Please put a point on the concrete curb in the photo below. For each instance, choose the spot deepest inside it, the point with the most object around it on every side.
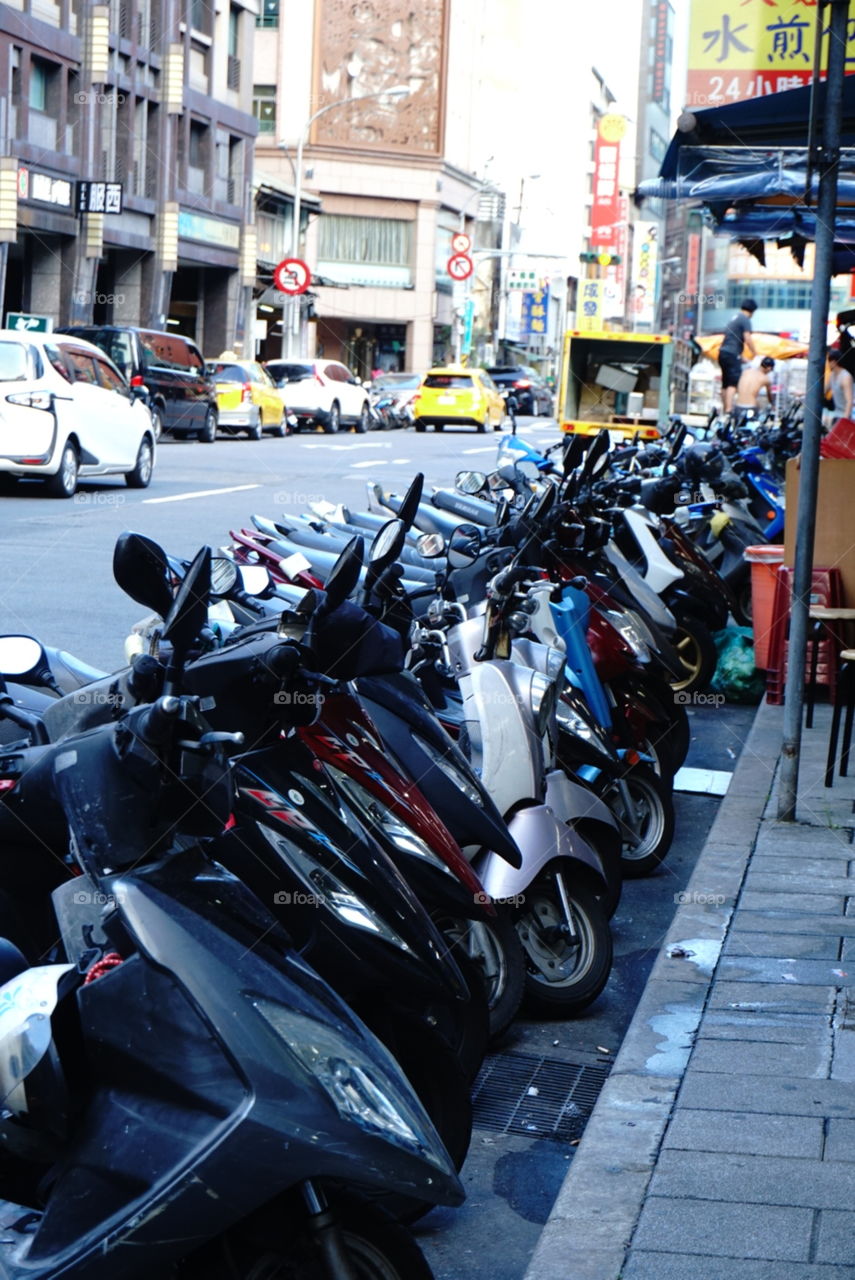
(596, 1210)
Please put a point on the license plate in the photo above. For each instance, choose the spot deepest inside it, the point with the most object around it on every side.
(446, 399)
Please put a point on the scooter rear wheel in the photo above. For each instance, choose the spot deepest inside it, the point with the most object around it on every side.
(493, 946)
(566, 971)
(651, 821)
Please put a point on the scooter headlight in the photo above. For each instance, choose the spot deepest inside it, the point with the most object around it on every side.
(326, 890)
(543, 698)
(451, 771)
(361, 1090)
(402, 836)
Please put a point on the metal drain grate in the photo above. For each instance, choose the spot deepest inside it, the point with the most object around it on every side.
(539, 1097)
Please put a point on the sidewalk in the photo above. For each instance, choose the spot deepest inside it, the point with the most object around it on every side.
(722, 1146)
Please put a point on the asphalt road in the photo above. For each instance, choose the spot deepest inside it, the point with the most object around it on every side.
(56, 583)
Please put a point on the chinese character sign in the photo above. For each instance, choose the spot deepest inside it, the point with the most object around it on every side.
(746, 48)
(606, 192)
(589, 305)
(535, 312)
(645, 261)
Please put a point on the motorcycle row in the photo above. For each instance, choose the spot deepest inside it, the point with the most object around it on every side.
(274, 886)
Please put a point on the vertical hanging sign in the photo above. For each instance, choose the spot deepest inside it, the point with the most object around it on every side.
(605, 205)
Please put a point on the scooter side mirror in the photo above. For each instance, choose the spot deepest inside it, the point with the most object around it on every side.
(464, 546)
(189, 611)
(224, 575)
(141, 569)
(22, 657)
(470, 482)
(384, 551)
(574, 452)
(409, 507)
(254, 578)
(430, 545)
(344, 575)
(598, 454)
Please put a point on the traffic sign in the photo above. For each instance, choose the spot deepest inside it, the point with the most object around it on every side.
(23, 322)
(292, 276)
(459, 266)
(461, 243)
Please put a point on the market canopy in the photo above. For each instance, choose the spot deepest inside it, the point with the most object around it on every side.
(748, 162)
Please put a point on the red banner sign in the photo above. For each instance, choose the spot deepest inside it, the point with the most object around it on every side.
(605, 207)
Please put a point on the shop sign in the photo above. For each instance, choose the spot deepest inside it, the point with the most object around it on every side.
(605, 207)
(33, 185)
(99, 197)
(195, 226)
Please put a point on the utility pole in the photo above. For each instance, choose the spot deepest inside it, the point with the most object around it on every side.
(827, 166)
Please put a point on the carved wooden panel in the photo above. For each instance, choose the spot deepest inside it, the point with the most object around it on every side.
(368, 45)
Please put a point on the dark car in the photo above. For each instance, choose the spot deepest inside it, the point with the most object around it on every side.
(529, 390)
(181, 395)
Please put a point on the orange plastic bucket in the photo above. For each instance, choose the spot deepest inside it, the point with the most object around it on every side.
(764, 561)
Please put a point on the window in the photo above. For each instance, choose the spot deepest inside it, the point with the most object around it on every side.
(13, 362)
(344, 238)
(227, 372)
(200, 16)
(197, 157)
(337, 373)
(54, 357)
(82, 365)
(233, 67)
(657, 145)
(268, 15)
(264, 107)
(109, 378)
(789, 295)
(449, 381)
(38, 85)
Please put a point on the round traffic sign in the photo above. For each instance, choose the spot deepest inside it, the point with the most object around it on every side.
(459, 266)
(292, 276)
(461, 243)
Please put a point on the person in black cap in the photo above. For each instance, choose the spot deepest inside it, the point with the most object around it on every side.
(737, 335)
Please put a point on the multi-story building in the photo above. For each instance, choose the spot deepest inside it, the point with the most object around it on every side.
(150, 100)
(395, 172)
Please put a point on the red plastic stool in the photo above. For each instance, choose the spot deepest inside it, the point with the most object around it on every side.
(826, 591)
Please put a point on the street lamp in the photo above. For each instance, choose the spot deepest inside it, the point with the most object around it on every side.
(396, 92)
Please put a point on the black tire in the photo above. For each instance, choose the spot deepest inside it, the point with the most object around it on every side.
(419, 426)
(64, 483)
(697, 652)
(465, 1029)
(140, 477)
(364, 419)
(208, 433)
(333, 421)
(482, 427)
(277, 1244)
(439, 426)
(493, 946)
(279, 429)
(564, 975)
(743, 611)
(156, 421)
(653, 819)
(443, 1090)
(256, 431)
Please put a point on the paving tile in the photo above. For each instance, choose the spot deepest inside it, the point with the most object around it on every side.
(648, 1265)
(805, 946)
(746, 1132)
(760, 881)
(771, 997)
(752, 1058)
(819, 867)
(780, 1095)
(843, 1060)
(782, 839)
(792, 922)
(732, 1230)
(840, 1143)
(836, 1240)
(760, 968)
(803, 903)
(783, 1028)
(766, 1180)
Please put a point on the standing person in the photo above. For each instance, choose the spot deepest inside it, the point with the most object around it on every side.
(842, 386)
(737, 334)
(752, 383)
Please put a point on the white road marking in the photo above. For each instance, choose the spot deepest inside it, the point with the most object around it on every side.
(399, 462)
(370, 462)
(203, 493)
(488, 449)
(353, 444)
(707, 782)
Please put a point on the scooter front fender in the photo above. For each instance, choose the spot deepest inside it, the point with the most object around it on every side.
(541, 837)
(573, 803)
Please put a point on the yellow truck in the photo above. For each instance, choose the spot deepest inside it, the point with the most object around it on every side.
(627, 382)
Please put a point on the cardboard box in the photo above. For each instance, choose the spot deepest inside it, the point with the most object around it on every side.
(834, 539)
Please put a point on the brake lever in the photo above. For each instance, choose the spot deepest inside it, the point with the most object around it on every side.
(200, 745)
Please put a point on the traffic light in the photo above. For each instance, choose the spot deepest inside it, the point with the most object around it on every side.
(601, 258)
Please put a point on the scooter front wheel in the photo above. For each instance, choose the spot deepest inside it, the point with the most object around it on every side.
(643, 807)
(375, 1248)
(567, 943)
(493, 945)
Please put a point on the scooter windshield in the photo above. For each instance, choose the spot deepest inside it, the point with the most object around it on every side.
(26, 1005)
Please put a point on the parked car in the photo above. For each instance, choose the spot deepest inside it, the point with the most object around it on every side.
(392, 395)
(458, 396)
(66, 413)
(527, 386)
(247, 399)
(169, 367)
(322, 393)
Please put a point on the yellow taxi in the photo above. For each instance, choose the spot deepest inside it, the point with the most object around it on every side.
(458, 396)
(247, 399)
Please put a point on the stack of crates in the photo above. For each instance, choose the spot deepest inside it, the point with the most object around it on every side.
(827, 590)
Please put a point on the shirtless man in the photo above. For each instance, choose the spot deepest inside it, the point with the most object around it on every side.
(751, 382)
(841, 386)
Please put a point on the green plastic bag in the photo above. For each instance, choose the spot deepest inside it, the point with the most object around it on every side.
(736, 676)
